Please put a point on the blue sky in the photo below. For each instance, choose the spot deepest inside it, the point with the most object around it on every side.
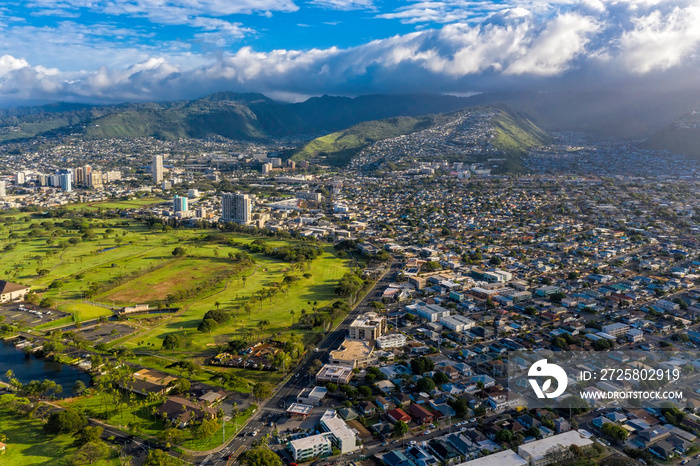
(128, 50)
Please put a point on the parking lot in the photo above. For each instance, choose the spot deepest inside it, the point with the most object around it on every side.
(106, 332)
(27, 315)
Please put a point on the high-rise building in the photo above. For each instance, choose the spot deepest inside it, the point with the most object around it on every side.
(66, 180)
(266, 168)
(95, 180)
(179, 204)
(157, 169)
(82, 175)
(3, 189)
(20, 178)
(236, 208)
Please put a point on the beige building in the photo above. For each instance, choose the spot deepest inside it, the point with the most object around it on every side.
(368, 326)
(12, 291)
(354, 353)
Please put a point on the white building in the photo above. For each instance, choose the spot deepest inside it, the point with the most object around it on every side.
(430, 312)
(312, 396)
(311, 447)
(157, 169)
(456, 323)
(236, 208)
(552, 449)
(20, 178)
(3, 189)
(342, 436)
(615, 329)
(507, 457)
(395, 340)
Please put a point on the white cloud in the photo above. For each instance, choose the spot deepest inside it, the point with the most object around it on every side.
(344, 4)
(531, 41)
(660, 41)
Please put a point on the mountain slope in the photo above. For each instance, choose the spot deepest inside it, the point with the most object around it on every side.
(681, 137)
(509, 133)
(237, 116)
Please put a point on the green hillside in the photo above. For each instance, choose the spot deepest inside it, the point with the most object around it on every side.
(514, 135)
(237, 116)
(338, 148)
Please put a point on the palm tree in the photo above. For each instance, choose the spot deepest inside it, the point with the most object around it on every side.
(218, 305)
(292, 312)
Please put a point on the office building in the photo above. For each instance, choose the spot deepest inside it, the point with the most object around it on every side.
(368, 326)
(3, 189)
(236, 208)
(157, 169)
(20, 178)
(179, 204)
(266, 168)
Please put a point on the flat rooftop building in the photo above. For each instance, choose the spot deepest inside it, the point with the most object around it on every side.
(353, 353)
(334, 373)
(536, 452)
(505, 457)
(368, 326)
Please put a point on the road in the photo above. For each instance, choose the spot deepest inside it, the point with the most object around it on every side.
(299, 380)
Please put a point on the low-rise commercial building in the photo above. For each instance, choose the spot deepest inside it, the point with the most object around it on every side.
(353, 353)
(339, 375)
(395, 340)
(311, 447)
(541, 452)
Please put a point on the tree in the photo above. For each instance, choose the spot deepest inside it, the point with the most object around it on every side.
(504, 435)
(425, 384)
(421, 365)
(65, 422)
(207, 325)
(88, 434)
(160, 458)
(179, 251)
(91, 452)
(205, 429)
(173, 341)
(365, 391)
(260, 456)
(79, 387)
(180, 386)
(400, 429)
(615, 431)
(262, 390)
(440, 378)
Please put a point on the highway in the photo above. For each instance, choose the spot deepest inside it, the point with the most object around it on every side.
(297, 381)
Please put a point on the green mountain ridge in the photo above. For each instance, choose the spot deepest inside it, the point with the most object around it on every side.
(248, 116)
(514, 134)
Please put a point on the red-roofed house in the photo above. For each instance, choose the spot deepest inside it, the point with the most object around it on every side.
(398, 414)
(420, 414)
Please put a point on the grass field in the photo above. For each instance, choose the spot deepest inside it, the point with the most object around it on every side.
(142, 420)
(27, 443)
(121, 262)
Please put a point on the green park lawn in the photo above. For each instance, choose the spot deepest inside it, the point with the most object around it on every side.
(129, 264)
(27, 443)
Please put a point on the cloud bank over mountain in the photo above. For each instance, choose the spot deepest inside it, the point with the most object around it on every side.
(453, 46)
